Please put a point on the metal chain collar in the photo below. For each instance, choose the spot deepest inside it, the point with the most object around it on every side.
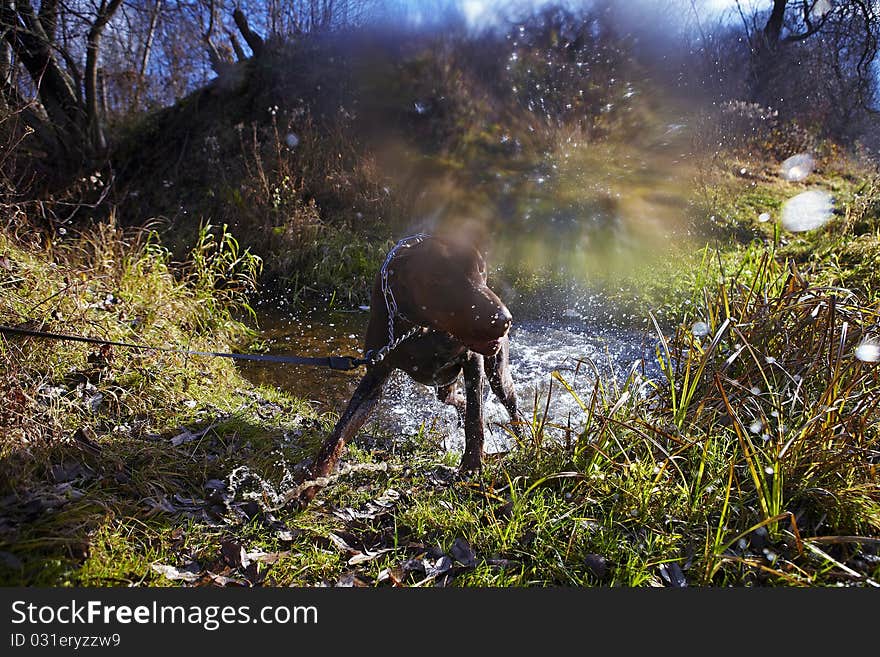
(391, 302)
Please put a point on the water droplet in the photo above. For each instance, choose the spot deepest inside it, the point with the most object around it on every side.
(291, 140)
(700, 329)
(769, 469)
(797, 167)
(756, 426)
(755, 390)
(807, 211)
(868, 351)
(764, 217)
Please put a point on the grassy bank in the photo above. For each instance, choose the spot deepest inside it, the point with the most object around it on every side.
(752, 460)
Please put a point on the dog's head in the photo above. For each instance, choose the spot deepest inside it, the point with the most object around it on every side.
(441, 283)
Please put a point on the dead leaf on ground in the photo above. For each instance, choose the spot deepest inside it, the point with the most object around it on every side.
(223, 580)
(234, 554)
(673, 575)
(413, 565)
(258, 556)
(160, 504)
(597, 565)
(395, 575)
(173, 573)
(348, 580)
(341, 541)
(463, 554)
(368, 555)
(435, 569)
(187, 436)
(442, 565)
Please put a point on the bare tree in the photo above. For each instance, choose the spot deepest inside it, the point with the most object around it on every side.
(846, 31)
(65, 110)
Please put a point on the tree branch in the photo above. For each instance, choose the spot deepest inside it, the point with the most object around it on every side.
(49, 17)
(254, 40)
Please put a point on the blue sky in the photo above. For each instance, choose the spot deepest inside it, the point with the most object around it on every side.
(481, 11)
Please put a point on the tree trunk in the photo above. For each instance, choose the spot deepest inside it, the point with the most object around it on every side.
(94, 118)
(145, 59)
(254, 40)
(764, 57)
(32, 46)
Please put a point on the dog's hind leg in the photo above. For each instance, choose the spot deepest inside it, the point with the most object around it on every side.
(473, 421)
(501, 382)
(363, 401)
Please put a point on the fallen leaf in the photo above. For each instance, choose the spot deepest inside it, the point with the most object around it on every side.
(367, 555)
(223, 580)
(413, 565)
(172, 573)
(162, 504)
(672, 575)
(341, 543)
(388, 498)
(189, 502)
(258, 556)
(597, 565)
(181, 438)
(396, 576)
(442, 565)
(463, 554)
(215, 485)
(187, 436)
(348, 580)
(234, 554)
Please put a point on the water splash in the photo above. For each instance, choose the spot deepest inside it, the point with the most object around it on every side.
(536, 351)
(807, 211)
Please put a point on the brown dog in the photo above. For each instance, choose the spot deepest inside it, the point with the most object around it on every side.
(432, 316)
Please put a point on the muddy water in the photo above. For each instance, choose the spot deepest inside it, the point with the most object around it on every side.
(576, 347)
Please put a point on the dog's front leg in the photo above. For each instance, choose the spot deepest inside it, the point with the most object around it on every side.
(501, 382)
(473, 422)
(362, 402)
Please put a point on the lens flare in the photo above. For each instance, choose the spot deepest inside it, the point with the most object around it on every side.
(797, 167)
(807, 211)
(700, 329)
(868, 351)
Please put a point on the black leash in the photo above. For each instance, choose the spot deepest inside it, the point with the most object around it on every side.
(342, 363)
